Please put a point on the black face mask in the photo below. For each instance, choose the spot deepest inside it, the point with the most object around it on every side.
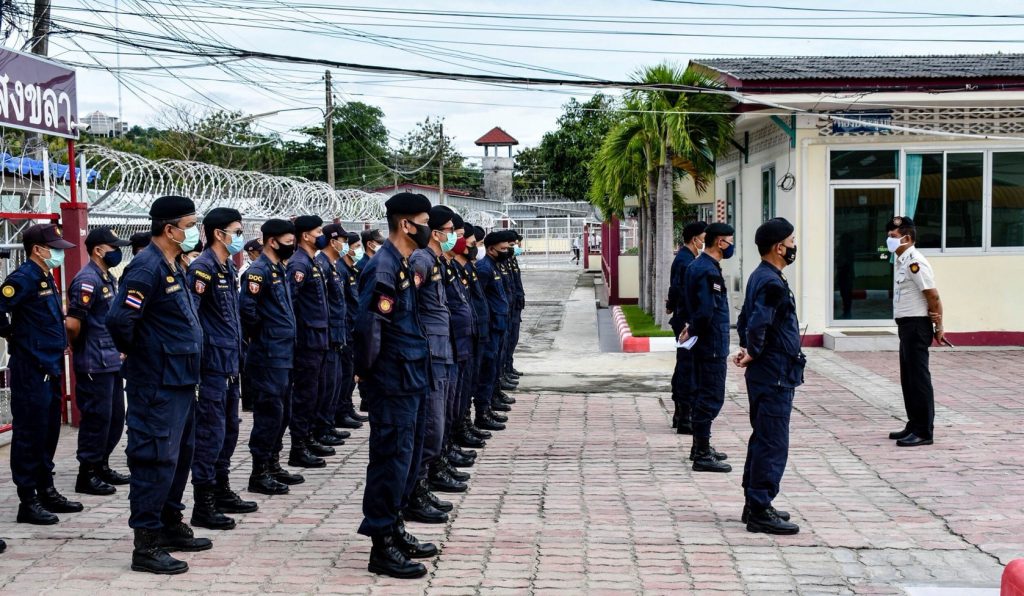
(790, 256)
(422, 235)
(472, 252)
(504, 255)
(284, 251)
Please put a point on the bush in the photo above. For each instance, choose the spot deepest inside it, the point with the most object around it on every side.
(642, 324)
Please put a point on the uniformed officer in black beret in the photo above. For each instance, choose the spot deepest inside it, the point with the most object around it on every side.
(213, 282)
(675, 304)
(511, 375)
(99, 386)
(268, 324)
(153, 320)
(495, 289)
(307, 283)
(345, 415)
(770, 352)
(336, 366)
(32, 322)
(393, 360)
(372, 240)
(707, 306)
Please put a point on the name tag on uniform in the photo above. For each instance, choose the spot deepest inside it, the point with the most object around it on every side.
(172, 288)
(404, 284)
(46, 292)
(716, 287)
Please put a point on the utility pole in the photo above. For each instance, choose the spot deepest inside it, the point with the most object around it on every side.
(41, 28)
(329, 130)
(440, 170)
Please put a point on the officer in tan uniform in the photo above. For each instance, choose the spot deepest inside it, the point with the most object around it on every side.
(918, 313)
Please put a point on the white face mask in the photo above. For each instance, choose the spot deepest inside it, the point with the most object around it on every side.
(893, 243)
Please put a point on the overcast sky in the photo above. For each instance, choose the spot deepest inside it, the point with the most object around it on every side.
(660, 29)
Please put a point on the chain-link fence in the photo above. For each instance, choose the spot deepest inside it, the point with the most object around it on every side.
(548, 242)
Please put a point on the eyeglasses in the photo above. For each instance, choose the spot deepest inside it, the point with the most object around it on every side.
(236, 233)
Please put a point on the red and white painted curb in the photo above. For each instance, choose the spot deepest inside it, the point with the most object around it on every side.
(628, 343)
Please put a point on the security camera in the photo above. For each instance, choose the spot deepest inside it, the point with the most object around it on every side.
(81, 126)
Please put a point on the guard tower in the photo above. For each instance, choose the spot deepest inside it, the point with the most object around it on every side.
(497, 170)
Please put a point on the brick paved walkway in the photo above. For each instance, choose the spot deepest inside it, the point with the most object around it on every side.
(589, 491)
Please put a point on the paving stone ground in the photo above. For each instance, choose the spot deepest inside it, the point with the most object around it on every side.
(589, 492)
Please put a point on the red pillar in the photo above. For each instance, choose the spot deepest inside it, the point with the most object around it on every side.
(74, 217)
(610, 258)
(585, 242)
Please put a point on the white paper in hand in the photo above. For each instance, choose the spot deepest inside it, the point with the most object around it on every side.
(686, 345)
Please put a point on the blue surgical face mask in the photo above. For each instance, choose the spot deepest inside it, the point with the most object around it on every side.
(191, 238)
(321, 242)
(517, 251)
(450, 242)
(113, 258)
(358, 254)
(728, 252)
(344, 249)
(237, 244)
(56, 258)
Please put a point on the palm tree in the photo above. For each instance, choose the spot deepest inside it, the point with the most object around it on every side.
(671, 128)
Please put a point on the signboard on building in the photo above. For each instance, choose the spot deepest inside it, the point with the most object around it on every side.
(37, 95)
(865, 121)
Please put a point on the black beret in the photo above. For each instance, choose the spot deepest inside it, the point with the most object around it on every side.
(140, 239)
(693, 229)
(353, 238)
(772, 232)
(220, 217)
(470, 232)
(495, 238)
(458, 222)
(272, 228)
(368, 236)
(104, 235)
(480, 233)
(439, 216)
(407, 203)
(718, 230)
(305, 223)
(334, 230)
(253, 244)
(900, 221)
(171, 207)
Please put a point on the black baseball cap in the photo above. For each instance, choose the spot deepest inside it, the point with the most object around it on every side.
(47, 235)
(104, 235)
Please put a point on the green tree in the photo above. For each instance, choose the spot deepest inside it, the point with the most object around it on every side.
(422, 144)
(360, 149)
(568, 152)
(529, 170)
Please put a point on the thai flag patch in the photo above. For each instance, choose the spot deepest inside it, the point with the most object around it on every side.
(87, 288)
(133, 302)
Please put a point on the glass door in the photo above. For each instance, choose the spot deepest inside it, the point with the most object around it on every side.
(861, 269)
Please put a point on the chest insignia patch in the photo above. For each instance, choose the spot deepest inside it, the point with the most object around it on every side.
(8, 291)
(200, 286)
(914, 267)
(299, 276)
(254, 287)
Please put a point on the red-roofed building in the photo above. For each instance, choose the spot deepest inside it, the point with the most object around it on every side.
(496, 137)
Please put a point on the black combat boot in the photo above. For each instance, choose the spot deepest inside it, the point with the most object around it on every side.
(498, 406)
(479, 432)
(714, 453)
(444, 464)
(228, 500)
(436, 501)
(460, 460)
(56, 502)
(177, 536)
(341, 434)
(280, 474)
(507, 384)
(204, 510)
(704, 459)
(783, 515)
(31, 510)
(3, 545)
(508, 400)
(465, 438)
(516, 372)
(387, 559)
(410, 546)
(261, 482)
(485, 422)
(497, 417)
(90, 483)
(421, 510)
(112, 477)
(768, 521)
(329, 439)
(348, 421)
(442, 482)
(300, 457)
(150, 557)
(318, 449)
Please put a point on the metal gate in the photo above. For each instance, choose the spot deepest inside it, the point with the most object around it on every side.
(548, 242)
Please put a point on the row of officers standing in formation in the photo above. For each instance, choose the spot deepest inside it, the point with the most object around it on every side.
(770, 351)
(424, 324)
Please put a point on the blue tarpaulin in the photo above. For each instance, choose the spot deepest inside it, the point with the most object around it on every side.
(34, 167)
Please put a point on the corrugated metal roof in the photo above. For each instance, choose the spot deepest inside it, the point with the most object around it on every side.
(960, 66)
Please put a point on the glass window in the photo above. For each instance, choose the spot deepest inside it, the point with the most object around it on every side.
(964, 179)
(924, 197)
(730, 202)
(767, 194)
(864, 165)
(1008, 199)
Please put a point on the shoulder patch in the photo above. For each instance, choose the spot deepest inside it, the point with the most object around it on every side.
(256, 278)
(200, 286)
(8, 291)
(384, 299)
(299, 276)
(914, 267)
(203, 274)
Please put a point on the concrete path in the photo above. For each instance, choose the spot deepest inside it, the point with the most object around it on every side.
(589, 491)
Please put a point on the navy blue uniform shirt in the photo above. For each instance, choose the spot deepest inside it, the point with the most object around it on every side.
(677, 289)
(391, 351)
(463, 324)
(214, 287)
(89, 298)
(769, 330)
(707, 302)
(337, 307)
(350, 279)
(309, 299)
(493, 285)
(428, 277)
(481, 311)
(268, 320)
(154, 322)
(35, 330)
